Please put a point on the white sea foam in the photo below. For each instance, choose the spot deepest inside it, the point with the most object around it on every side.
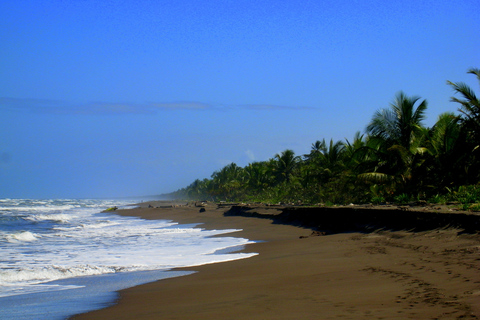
(60, 217)
(28, 276)
(20, 236)
(72, 238)
(37, 209)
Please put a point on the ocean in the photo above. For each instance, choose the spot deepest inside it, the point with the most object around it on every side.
(64, 257)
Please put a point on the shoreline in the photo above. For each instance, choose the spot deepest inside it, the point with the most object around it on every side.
(302, 275)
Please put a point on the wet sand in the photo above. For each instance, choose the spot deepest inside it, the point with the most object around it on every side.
(433, 274)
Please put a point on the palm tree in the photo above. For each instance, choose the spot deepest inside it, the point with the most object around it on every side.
(396, 138)
(326, 158)
(286, 164)
(318, 148)
(226, 183)
(332, 158)
(258, 176)
(351, 148)
(470, 109)
(446, 147)
(400, 124)
(470, 106)
(357, 157)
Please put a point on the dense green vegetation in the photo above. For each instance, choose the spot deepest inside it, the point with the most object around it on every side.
(397, 159)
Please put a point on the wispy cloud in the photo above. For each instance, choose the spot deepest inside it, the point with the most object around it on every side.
(272, 107)
(181, 106)
(113, 108)
(47, 106)
(107, 108)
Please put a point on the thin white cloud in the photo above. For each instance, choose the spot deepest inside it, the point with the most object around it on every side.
(181, 106)
(62, 107)
(108, 108)
(113, 108)
(273, 107)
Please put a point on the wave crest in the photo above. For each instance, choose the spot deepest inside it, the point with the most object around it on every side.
(21, 236)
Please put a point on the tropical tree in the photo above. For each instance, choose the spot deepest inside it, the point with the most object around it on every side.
(258, 176)
(226, 183)
(356, 157)
(194, 189)
(396, 138)
(402, 123)
(319, 147)
(321, 170)
(470, 120)
(447, 156)
(469, 105)
(332, 158)
(396, 155)
(286, 164)
(352, 149)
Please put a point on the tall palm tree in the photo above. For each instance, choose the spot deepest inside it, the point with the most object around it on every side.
(469, 105)
(470, 120)
(396, 138)
(400, 124)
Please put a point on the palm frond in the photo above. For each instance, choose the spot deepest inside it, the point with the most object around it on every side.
(462, 88)
(475, 71)
(375, 177)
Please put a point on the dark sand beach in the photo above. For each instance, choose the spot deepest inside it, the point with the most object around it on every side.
(362, 271)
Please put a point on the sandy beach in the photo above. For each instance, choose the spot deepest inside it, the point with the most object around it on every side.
(297, 274)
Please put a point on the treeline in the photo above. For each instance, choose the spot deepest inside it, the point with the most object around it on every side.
(396, 159)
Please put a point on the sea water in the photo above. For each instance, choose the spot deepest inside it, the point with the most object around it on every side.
(64, 257)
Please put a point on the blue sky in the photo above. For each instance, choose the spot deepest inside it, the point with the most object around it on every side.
(130, 98)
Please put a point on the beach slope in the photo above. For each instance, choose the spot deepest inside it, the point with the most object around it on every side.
(300, 274)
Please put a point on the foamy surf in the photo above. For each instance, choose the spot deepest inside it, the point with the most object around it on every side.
(20, 236)
(59, 245)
